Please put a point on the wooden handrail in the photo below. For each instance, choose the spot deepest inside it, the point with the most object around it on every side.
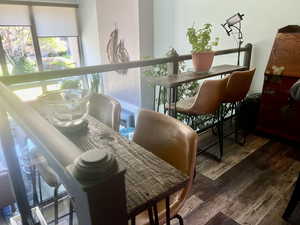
(41, 76)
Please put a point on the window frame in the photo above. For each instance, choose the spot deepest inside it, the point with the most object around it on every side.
(35, 38)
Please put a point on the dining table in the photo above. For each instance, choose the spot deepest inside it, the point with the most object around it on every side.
(148, 178)
(173, 81)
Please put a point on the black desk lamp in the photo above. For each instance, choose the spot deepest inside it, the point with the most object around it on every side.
(234, 22)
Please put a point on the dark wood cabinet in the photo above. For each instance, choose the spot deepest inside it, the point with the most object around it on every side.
(279, 114)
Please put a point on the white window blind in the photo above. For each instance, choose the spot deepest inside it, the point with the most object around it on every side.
(55, 21)
(14, 15)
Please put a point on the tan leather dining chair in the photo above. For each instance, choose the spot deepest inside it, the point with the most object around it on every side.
(238, 85)
(175, 143)
(237, 88)
(105, 109)
(206, 102)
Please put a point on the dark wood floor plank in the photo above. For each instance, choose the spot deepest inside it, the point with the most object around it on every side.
(274, 215)
(264, 192)
(250, 191)
(221, 219)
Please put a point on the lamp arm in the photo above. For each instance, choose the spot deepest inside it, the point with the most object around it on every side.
(241, 36)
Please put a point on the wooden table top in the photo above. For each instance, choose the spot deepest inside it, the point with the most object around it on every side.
(176, 80)
(148, 178)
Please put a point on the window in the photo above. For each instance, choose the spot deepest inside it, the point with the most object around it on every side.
(19, 51)
(59, 52)
(39, 38)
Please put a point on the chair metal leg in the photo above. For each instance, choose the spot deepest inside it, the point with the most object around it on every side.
(56, 205)
(220, 133)
(215, 119)
(168, 216)
(180, 220)
(236, 133)
(150, 214)
(156, 219)
(132, 219)
(293, 201)
(195, 173)
(233, 107)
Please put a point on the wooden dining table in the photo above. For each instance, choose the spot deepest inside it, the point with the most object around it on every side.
(148, 179)
(173, 81)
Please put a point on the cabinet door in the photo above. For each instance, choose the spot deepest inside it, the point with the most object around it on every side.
(278, 113)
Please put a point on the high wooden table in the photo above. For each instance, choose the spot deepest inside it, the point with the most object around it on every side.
(172, 82)
(148, 179)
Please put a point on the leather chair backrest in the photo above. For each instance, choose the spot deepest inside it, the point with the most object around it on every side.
(6, 197)
(238, 85)
(209, 96)
(105, 109)
(170, 140)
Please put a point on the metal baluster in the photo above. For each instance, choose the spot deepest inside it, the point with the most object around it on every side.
(168, 217)
(150, 214)
(164, 90)
(40, 187)
(133, 222)
(156, 214)
(56, 205)
(71, 212)
(154, 97)
(170, 102)
(158, 100)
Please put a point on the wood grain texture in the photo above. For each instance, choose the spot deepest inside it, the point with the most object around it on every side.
(178, 79)
(255, 191)
(221, 219)
(233, 155)
(148, 178)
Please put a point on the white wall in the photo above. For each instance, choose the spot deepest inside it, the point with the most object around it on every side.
(146, 48)
(262, 20)
(125, 15)
(89, 32)
(134, 19)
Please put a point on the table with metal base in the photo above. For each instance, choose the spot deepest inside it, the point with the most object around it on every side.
(171, 83)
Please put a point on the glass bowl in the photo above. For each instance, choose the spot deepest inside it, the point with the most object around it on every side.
(67, 107)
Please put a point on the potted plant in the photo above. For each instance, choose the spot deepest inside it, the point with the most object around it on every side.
(202, 54)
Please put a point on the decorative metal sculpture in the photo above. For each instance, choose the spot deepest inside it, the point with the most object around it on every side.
(116, 51)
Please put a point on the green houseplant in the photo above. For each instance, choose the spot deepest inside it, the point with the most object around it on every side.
(202, 54)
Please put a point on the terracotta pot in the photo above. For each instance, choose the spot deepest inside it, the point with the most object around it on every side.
(202, 61)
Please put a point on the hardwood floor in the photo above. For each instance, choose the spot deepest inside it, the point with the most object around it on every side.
(250, 187)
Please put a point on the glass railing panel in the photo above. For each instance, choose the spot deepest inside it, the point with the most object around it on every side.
(46, 195)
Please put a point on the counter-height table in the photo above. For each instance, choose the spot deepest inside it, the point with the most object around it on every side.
(172, 82)
(148, 178)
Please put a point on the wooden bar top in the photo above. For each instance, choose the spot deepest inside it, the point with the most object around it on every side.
(148, 178)
(176, 80)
